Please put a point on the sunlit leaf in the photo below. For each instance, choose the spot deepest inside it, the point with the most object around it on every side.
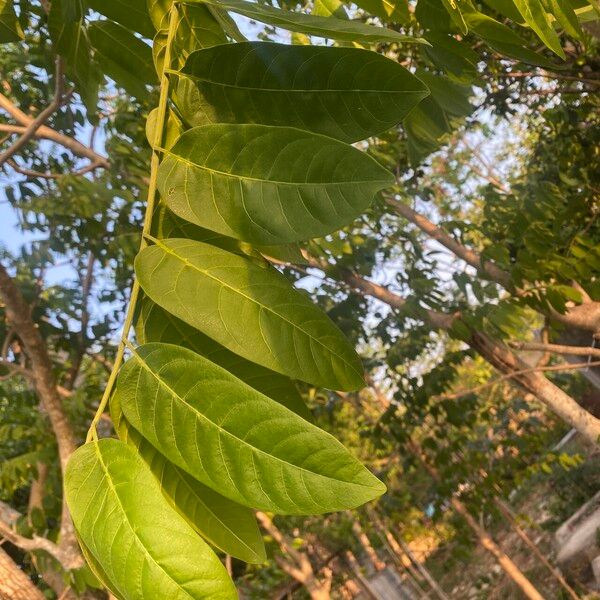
(144, 547)
(157, 325)
(251, 310)
(225, 524)
(236, 440)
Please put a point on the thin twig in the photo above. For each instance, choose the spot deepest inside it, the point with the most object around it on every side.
(571, 367)
(32, 173)
(556, 348)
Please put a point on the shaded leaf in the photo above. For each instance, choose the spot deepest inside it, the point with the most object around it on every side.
(452, 6)
(250, 310)
(273, 184)
(236, 440)
(70, 41)
(455, 57)
(123, 57)
(10, 28)
(346, 93)
(144, 547)
(132, 14)
(326, 27)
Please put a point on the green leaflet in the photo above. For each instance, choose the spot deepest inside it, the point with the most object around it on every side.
(196, 28)
(454, 57)
(132, 14)
(535, 16)
(329, 8)
(426, 125)
(326, 27)
(452, 6)
(388, 10)
(70, 40)
(228, 526)
(157, 325)
(236, 440)
(503, 39)
(123, 57)
(145, 548)
(268, 185)
(165, 224)
(159, 13)
(10, 28)
(346, 93)
(566, 17)
(251, 310)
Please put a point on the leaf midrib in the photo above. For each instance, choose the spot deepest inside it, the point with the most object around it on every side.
(190, 163)
(164, 384)
(215, 516)
(133, 531)
(265, 307)
(302, 91)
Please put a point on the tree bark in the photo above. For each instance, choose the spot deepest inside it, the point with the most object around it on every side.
(14, 584)
(18, 314)
(537, 384)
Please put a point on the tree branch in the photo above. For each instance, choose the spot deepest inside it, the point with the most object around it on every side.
(36, 123)
(507, 376)
(496, 353)
(583, 316)
(37, 543)
(472, 258)
(557, 349)
(32, 173)
(48, 133)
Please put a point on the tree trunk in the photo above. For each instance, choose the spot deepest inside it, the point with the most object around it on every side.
(18, 313)
(14, 584)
